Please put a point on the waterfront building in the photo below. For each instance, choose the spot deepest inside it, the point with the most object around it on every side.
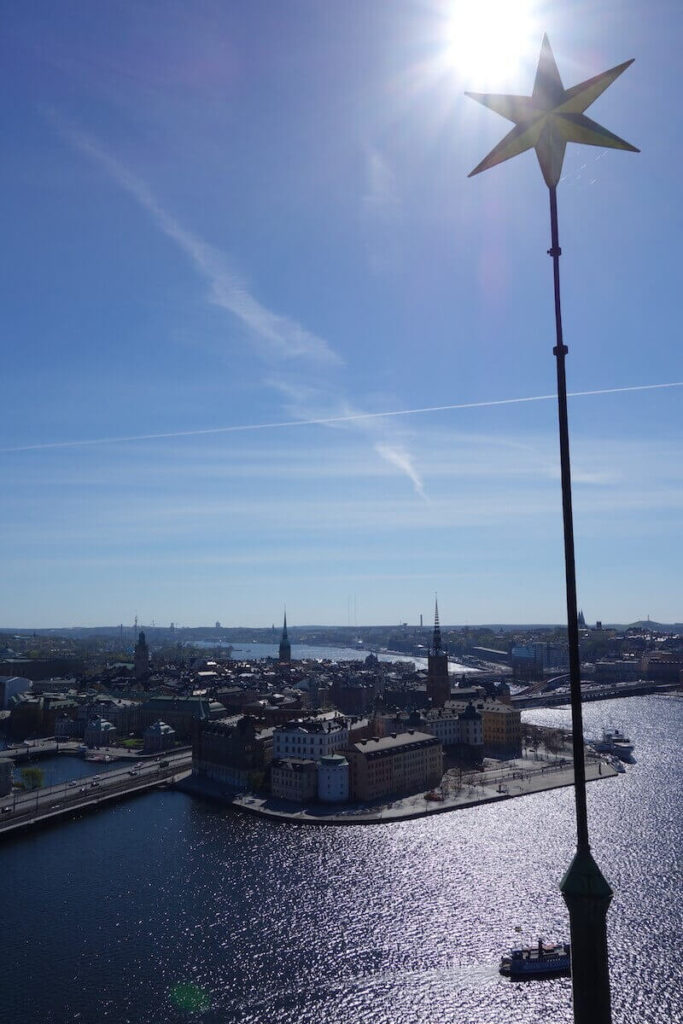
(294, 779)
(99, 733)
(501, 728)
(333, 779)
(395, 765)
(232, 752)
(37, 715)
(285, 652)
(124, 713)
(620, 670)
(55, 706)
(310, 738)
(438, 682)
(663, 666)
(157, 737)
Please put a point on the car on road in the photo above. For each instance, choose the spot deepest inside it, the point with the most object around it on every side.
(6, 810)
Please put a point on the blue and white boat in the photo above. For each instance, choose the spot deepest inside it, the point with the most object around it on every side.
(541, 961)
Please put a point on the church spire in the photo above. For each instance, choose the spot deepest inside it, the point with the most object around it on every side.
(285, 646)
(436, 643)
(438, 682)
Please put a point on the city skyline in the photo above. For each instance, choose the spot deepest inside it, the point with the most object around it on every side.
(266, 344)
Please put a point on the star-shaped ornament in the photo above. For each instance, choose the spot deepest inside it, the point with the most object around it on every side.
(550, 118)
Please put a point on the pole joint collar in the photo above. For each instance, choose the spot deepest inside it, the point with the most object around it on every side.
(560, 350)
(555, 251)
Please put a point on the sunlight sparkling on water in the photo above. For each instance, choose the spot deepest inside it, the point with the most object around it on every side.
(121, 914)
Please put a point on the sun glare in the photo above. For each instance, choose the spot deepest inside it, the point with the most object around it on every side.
(487, 41)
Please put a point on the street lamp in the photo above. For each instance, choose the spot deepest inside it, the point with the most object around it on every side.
(546, 121)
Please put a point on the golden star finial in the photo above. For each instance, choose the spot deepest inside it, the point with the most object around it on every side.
(550, 118)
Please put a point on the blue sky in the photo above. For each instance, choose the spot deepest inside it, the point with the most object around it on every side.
(225, 220)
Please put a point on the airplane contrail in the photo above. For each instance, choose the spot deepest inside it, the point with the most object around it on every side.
(325, 420)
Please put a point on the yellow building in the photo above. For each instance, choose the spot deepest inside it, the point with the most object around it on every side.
(501, 728)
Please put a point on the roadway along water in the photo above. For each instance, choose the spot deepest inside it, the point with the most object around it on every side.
(166, 909)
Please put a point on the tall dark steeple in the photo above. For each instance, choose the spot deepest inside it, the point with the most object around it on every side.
(438, 682)
(141, 658)
(436, 642)
(285, 646)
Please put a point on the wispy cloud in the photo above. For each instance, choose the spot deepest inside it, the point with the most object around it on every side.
(401, 459)
(279, 336)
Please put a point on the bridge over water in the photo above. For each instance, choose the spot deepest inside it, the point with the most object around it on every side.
(33, 749)
(590, 692)
(20, 811)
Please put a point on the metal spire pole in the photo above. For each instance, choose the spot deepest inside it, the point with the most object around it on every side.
(546, 121)
(584, 888)
(560, 351)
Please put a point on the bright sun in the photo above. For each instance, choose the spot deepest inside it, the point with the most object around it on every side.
(488, 40)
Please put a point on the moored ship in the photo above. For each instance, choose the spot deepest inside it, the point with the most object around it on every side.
(615, 742)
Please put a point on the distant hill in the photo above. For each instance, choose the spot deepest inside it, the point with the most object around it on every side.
(663, 627)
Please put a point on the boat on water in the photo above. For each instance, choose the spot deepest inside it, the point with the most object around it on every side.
(615, 742)
(544, 960)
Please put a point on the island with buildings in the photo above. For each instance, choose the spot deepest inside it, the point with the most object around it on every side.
(327, 741)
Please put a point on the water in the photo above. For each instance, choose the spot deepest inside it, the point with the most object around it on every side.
(63, 768)
(249, 652)
(167, 909)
